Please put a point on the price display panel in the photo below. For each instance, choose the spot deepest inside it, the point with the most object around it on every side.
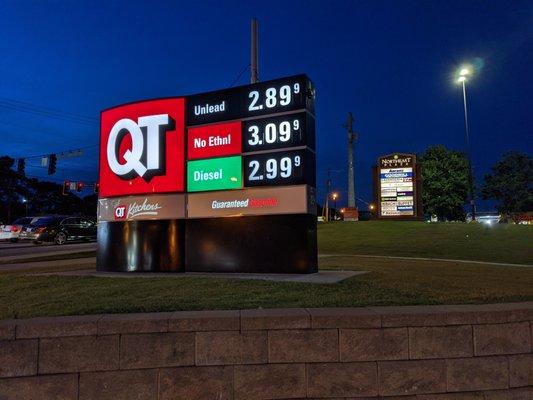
(292, 167)
(289, 130)
(265, 98)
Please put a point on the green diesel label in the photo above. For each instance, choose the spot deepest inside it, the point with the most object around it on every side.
(214, 174)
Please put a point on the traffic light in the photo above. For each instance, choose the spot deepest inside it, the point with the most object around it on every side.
(52, 160)
(66, 187)
(79, 186)
(21, 165)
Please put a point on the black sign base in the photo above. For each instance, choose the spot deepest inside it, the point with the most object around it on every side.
(141, 246)
(260, 244)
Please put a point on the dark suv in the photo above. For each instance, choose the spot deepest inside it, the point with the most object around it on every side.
(59, 229)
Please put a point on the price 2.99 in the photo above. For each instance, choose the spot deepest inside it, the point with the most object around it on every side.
(283, 168)
(273, 169)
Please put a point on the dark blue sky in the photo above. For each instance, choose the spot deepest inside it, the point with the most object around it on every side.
(391, 63)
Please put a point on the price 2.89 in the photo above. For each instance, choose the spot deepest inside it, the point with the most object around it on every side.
(273, 97)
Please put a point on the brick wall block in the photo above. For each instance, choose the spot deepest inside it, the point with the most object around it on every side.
(191, 321)
(115, 385)
(226, 348)
(452, 396)
(316, 345)
(270, 381)
(18, 358)
(344, 318)
(510, 338)
(196, 383)
(521, 370)
(342, 379)
(479, 373)
(288, 318)
(411, 377)
(411, 316)
(53, 387)
(150, 350)
(373, 344)
(75, 354)
(525, 393)
(440, 342)
(133, 323)
(81, 325)
(7, 329)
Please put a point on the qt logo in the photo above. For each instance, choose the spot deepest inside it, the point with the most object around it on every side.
(120, 212)
(146, 158)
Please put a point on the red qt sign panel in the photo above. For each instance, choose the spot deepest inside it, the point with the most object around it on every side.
(142, 148)
(214, 140)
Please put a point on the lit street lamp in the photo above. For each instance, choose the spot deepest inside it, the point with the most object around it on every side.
(334, 197)
(464, 73)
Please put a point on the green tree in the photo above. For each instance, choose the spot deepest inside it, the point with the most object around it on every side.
(511, 184)
(444, 182)
(13, 188)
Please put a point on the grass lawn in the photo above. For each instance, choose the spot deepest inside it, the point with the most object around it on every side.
(389, 281)
(497, 243)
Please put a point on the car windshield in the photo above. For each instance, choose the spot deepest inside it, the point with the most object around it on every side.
(43, 221)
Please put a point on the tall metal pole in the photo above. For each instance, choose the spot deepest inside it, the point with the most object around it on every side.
(469, 156)
(352, 137)
(254, 52)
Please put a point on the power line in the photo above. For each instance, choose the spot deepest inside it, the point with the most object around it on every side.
(59, 152)
(239, 76)
(20, 106)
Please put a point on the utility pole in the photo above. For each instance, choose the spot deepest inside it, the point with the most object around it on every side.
(325, 210)
(253, 53)
(352, 138)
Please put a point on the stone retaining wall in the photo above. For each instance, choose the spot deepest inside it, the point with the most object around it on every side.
(433, 352)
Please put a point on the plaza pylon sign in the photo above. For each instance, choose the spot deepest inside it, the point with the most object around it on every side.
(241, 160)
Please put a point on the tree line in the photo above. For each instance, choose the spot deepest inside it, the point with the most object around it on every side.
(21, 196)
(445, 182)
(444, 188)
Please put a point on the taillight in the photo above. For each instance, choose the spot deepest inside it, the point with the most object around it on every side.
(14, 228)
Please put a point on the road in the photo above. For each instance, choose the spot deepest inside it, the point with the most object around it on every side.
(22, 249)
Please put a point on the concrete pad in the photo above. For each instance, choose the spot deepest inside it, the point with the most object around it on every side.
(321, 277)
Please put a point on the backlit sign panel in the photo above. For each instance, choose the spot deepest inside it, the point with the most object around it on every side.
(396, 185)
(214, 140)
(265, 98)
(288, 130)
(282, 168)
(255, 201)
(135, 208)
(214, 174)
(141, 148)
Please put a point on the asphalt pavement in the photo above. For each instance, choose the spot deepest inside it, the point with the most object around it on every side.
(17, 250)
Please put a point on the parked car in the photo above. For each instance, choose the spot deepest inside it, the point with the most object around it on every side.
(12, 231)
(59, 229)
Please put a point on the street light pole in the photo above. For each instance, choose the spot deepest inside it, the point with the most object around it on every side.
(462, 78)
